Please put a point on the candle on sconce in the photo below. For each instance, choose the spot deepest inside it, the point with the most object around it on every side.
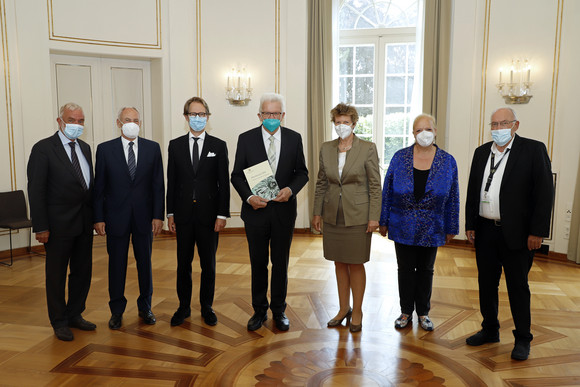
(529, 73)
(228, 81)
(512, 75)
(249, 81)
(238, 81)
(500, 70)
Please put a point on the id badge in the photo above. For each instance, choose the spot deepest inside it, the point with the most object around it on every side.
(485, 205)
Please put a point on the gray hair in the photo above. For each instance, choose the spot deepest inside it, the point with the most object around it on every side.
(68, 106)
(128, 107)
(506, 108)
(427, 116)
(272, 97)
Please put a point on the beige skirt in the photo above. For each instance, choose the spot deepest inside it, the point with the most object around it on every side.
(346, 244)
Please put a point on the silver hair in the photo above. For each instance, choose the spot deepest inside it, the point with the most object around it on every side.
(427, 116)
(506, 108)
(128, 107)
(68, 106)
(272, 97)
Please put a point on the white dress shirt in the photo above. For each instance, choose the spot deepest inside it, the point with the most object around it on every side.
(277, 141)
(85, 168)
(199, 144)
(341, 162)
(126, 148)
(489, 201)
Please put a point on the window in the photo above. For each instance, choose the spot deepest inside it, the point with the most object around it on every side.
(377, 69)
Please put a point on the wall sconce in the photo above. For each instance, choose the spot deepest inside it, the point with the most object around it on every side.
(239, 86)
(517, 90)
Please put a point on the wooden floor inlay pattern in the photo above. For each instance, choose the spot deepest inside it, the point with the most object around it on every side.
(309, 354)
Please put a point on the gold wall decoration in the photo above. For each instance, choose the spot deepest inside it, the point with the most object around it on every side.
(8, 97)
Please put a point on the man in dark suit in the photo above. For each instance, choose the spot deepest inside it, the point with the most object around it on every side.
(269, 224)
(129, 205)
(60, 185)
(509, 202)
(198, 203)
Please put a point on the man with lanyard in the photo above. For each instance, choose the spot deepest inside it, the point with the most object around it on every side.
(508, 209)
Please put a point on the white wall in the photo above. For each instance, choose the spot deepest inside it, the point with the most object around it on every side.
(166, 33)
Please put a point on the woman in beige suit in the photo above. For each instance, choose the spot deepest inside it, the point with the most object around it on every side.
(348, 201)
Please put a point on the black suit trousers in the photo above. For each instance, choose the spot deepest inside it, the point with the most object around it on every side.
(270, 240)
(492, 254)
(118, 249)
(62, 251)
(190, 234)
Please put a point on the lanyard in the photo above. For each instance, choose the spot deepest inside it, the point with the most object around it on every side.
(493, 168)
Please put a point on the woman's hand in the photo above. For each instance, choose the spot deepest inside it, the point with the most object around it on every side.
(372, 225)
(448, 238)
(383, 230)
(316, 222)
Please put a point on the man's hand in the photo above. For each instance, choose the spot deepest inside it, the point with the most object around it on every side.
(220, 224)
(316, 222)
(383, 230)
(42, 237)
(157, 226)
(171, 224)
(100, 228)
(534, 242)
(283, 195)
(448, 238)
(470, 234)
(372, 226)
(257, 202)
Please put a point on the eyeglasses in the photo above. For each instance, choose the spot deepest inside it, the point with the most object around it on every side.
(503, 124)
(202, 115)
(127, 120)
(271, 115)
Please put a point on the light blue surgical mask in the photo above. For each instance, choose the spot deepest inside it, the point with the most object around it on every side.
(501, 136)
(271, 124)
(73, 131)
(197, 124)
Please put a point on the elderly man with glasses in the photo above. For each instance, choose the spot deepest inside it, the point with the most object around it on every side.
(269, 224)
(508, 208)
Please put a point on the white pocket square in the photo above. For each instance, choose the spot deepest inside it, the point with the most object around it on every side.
(210, 154)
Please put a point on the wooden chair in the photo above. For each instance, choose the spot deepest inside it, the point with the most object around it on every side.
(14, 216)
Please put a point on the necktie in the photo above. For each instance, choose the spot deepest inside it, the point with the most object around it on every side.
(195, 156)
(272, 154)
(131, 160)
(76, 165)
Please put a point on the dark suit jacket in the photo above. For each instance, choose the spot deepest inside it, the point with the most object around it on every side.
(211, 183)
(58, 202)
(291, 172)
(526, 192)
(120, 200)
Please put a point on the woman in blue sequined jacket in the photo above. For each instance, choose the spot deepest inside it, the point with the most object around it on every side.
(420, 212)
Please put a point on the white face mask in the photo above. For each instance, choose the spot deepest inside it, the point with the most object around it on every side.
(130, 130)
(343, 130)
(425, 138)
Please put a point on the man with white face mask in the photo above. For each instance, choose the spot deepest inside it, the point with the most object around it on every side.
(60, 185)
(508, 209)
(129, 205)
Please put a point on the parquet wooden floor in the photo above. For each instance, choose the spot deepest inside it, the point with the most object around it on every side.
(309, 354)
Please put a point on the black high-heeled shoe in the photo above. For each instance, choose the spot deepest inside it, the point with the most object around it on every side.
(356, 327)
(337, 322)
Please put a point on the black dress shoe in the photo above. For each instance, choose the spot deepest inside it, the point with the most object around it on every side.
(209, 316)
(482, 337)
(521, 350)
(281, 321)
(147, 316)
(115, 321)
(64, 334)
(82, 324)
(179, 316)
(257, 320)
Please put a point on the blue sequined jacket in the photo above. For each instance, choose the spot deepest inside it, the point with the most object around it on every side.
(423, 223)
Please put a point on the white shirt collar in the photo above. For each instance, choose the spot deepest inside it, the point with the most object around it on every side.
(126, 142)
(509, 146)
(201, 136)
(266, 135)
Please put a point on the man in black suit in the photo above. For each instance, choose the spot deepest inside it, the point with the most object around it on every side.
(198, 203)
(509, 201)
(129, 205)
(60, 185)
(269, 224)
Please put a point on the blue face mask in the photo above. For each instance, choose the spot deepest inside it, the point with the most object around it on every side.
(271, 124)
(73, 131)
(197, 124)
(501, 136)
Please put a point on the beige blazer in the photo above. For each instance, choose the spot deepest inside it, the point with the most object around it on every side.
(359, 186)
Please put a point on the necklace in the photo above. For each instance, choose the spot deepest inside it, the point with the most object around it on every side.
(344, 148)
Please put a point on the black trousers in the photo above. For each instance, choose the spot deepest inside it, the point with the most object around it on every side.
(415, 272)
(492, 255)
(269, 242)
(189, 235)
(118, 249)
(61, 253)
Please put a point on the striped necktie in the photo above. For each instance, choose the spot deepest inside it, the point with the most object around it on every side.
(131, 160)
(272, 154)
(77, 165)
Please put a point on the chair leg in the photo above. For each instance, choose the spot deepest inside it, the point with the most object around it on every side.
(11, 258)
